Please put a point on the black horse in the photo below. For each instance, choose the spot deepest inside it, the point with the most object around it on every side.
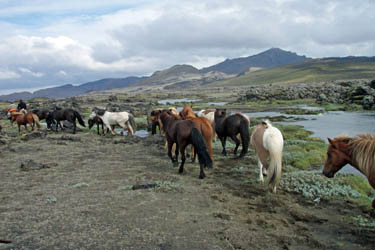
(41, 113)
(183, 133)
(99, 122)
(232, 126)
(59, 115)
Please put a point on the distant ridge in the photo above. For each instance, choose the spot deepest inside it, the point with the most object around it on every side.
(69, 90)
(268, 59)
(314, 70)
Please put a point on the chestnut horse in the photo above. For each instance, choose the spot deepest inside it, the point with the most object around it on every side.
(154, 119)
(204, 125)
(24, 119)
(232, 126)
(268, 143)
(183, 133)
(358, 152)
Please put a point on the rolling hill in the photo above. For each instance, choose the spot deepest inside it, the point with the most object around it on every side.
(315, 70)
(69, 90)
(268, 59)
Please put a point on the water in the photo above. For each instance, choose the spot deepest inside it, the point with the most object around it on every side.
(217, 103)
(174, 101)
(331, 124)
(140, 133)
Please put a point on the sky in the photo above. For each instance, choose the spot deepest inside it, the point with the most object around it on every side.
(51, 43)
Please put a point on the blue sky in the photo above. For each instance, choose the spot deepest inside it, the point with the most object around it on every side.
(48, 43)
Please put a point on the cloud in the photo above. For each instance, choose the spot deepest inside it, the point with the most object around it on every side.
(74, 42)
(7, 74)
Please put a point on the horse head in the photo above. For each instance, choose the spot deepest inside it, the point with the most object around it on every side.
(337, 156)
(154, 115)
(220, 113)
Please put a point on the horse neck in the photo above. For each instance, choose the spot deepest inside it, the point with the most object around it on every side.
(362, 154)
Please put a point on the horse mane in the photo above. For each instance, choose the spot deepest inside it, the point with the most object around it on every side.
(363, 151)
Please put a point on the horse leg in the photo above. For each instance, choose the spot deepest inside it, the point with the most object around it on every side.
(183, 158)
(170, 145)
(74, 126)
(260, 165)
(223, 140)
(235, 139)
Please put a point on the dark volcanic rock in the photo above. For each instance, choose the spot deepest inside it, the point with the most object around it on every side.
(32, 165)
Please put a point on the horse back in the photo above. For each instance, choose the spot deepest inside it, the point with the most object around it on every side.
(256, 141)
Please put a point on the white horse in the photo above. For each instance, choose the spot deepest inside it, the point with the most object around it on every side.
(110, 119)
(210, 115)
(268, 143)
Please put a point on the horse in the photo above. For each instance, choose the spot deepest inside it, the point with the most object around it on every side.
(123, 119)
(98, 121)
(58, 115)
(204, 125)
(358, 151)
(268, 143)
(232, 126)
(183, 133)
(154, 119)
(41, 113)
(24, 119)
(210, 115)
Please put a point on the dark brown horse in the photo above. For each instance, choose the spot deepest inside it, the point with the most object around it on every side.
(204, 125)
(358, 152)
(154, 119)
(98, 121)
(232, 126)
(59, 115)
(41, 113)
(24, 119)
(183, 133)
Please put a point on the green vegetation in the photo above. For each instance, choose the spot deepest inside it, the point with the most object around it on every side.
(309, 71)
(301, 150)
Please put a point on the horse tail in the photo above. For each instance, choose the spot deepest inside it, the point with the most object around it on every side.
(79, 117)
(132, 122)
(36, 120)
(273, 141)
(200, 147)
(245, 135)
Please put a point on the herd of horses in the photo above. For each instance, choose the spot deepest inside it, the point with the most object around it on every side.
(200, 129)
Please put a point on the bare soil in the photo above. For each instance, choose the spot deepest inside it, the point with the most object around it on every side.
(78, 195)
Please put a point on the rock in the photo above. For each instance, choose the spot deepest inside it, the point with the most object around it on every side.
(32, 165)
(372, 84)
(34, 135)
(368, 102)
(322, 98)
(144, 185)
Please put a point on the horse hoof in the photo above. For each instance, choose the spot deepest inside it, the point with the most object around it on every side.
(202, 176)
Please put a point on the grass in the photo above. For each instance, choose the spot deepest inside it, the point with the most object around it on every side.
(308, 71)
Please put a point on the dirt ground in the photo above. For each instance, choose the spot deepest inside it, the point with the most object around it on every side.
(77, 194)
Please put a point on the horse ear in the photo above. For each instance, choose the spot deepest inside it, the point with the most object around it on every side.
(333, 145)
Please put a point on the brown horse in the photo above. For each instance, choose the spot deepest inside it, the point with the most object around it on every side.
(358, 152)
(204, 125)
(24, 119)
(183, 133)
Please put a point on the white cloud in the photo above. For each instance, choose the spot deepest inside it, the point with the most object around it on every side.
(8, 74)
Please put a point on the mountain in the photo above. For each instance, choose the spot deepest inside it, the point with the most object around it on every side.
(69, 90)
(268, 59)
(180, 76)
(314, 70)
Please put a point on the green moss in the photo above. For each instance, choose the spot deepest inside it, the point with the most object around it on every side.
(357, 182)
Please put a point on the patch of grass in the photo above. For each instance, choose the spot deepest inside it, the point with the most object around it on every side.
(364, 222)
(315, 187)
(342, 107)
(81, 185)
(125, 188)
(357, 182)
(168, 185)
